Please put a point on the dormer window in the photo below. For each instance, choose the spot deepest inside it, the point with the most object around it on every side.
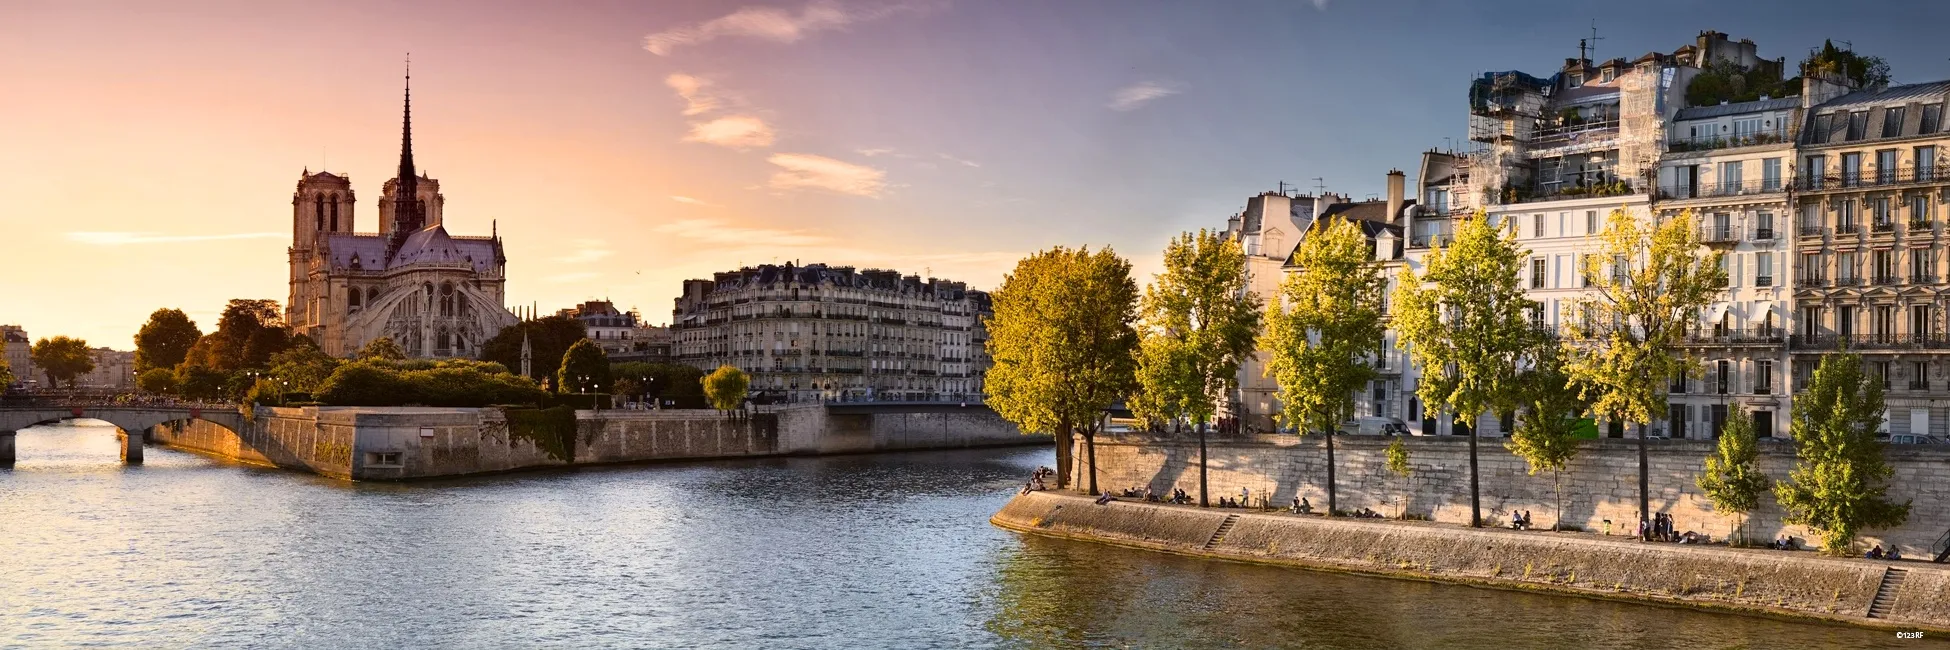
(1606, 75)
(1576, 80)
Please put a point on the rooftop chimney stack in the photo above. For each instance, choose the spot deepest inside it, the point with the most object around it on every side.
(1396, 181)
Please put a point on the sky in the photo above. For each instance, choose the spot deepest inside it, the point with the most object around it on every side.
(148, 151)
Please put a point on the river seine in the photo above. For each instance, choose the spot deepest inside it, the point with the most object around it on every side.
(880, 551)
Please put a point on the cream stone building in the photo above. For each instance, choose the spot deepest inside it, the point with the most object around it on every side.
(436, 294)
(819, 332)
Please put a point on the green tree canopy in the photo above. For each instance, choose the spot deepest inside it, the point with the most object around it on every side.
(585, 369)
(1323, 331)
(1647, 283)
(448, 382)
(659, 381)
(248, 333)
(1863, 71)
(1733, 480)
(158, 381)
(1062, 344)
(1838, 486)
(1199, 324)
(1546, 433)
(165, 340)
(200, 382)
(6, 373)
(303, 367)
(727, 387)
(383, 348)
(63, 359)
(1466, 322)
(548, 339)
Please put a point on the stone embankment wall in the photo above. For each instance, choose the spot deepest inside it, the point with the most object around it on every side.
(1600, 484)
(1778, 582)
(409, 443)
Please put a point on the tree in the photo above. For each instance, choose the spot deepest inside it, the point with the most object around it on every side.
(1733, 480)
(303, 367)
(165, 340)
(1863, 71)
(680, 384)
(1466, 322)
(63, 359)
(1063, 346)
(200, 382)
(1546, 433)
(585, 368)
(248, 333)
(1648, 283)
(6, 372)
(1323, 330)
(1398, 465)
(1199, 325)
(1838, 486)
(726, 387)
(383, 348)
(158, 381)
(548, 338)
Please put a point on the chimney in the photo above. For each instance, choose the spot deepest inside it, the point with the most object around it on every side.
(1395, 199)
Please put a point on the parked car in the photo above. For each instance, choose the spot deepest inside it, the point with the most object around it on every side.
(1914, 439)
(1374, 426)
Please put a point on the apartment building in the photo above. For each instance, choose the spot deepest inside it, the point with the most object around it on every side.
(1871, 200)
(1727, 167)
(819, 332)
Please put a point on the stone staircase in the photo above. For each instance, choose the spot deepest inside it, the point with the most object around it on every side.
(1220, 534)
(1892, 580)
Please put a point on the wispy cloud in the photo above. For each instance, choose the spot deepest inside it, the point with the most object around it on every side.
(879, 151)
(586, 250)
(799, 171)
(775, 24)
(1320, 5)
(119, 238)
(719, 232)
(697, 202)
(722, 237)
(697, 100)
(736, 131)
(1137, 95)
(963, 161)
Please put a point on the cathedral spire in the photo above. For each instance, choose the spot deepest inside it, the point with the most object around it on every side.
(408, 215)
(406, 131)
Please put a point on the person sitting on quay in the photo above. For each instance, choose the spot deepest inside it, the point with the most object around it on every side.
(1516, 520)
(1893, 554)
(1874, 553)
(1691, 538)
(1104, 499)
(1526, 520)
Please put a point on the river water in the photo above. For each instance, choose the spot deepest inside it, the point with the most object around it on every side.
(881, 551)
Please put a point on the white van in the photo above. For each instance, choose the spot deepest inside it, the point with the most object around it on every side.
(1374, 426)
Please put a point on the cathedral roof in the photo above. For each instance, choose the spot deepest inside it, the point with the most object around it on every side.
(430, 245)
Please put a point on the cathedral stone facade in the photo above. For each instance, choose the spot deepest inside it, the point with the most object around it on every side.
(436, 294)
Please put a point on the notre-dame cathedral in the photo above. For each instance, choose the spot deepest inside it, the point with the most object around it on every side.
(435, 294)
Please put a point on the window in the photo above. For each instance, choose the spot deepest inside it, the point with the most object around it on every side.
(1932, 119)
(1591, 222)
(1764, 226)
(1921, 262)
(1925, 163)
(1919, 210)
(1824, 124)
(1885, 323)
(1811, 264)
(1722, 376)
(1851, 169)
(1770, 175)
(1763, 269)
(1811, 219)
(1678, 385)
(1885, 266)
(1814, 169)
(1439, 200)
(1607, 74)
(1577, 80)
(1880, 370)
(1892, 121)
(383, 459)
(318, 208)
(1886, 166)
(1730, 177)
(1537, 225)
(1722, 226)
(1537, 277)
(1879, 211)
(1810, 323)
(1845, 215)
(1763, 377)
(1845, 267)
(1858, 125)
(352, 299)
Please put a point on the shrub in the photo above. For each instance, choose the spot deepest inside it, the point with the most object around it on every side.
(453, 383)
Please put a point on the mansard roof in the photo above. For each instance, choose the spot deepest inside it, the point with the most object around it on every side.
(428, 245)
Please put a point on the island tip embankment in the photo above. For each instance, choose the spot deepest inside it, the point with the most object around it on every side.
(1801, 585)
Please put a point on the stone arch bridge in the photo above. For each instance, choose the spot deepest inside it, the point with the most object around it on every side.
(135, 421)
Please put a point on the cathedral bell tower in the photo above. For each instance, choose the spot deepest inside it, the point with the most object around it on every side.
(321, 206)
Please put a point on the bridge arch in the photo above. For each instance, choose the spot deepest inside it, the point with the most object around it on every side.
(133, 421)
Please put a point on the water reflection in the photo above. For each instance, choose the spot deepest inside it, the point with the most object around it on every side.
(886, 551)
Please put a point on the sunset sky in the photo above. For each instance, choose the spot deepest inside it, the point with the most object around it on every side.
(148, 152)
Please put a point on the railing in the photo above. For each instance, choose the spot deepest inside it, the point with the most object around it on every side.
(1848, 229)
(1436, 239)
(1737, 336)
(1812, 281)
(1561, 191)
(1763, 281)
(1764, 233)
(1710, 190)
(1922, 278)
(1573, 133)
(1882, 226)
(1890, 341)
(1925, 225)
(1919, 384)
(1811, 231)
(1711, 142)
(1886, 280)
(1879, 178)
(1719, 234)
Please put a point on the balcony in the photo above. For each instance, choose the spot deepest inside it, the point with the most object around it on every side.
(1712, 142)
(1737, 336)
(1920, 227)
(1872, 342)
(1574, 133)
(1763, 281)
(1810, 231)
(1848, 229)
(1716, 190)
(1719, 234)
(1883, 178)
(1764, 233)
(1881, 227)
(1811, 281)
(1559, 191)
(1919, 384)
(1435, 239)
(1922, 278)
(1887, 280)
